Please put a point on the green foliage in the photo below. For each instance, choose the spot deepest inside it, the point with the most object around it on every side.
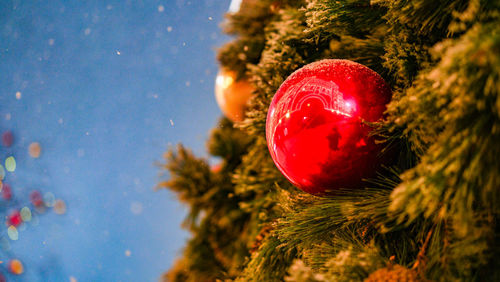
(435, 210)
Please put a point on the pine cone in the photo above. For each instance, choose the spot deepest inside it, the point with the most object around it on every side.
(394, 273)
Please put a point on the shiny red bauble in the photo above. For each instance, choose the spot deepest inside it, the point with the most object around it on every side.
(316, 125)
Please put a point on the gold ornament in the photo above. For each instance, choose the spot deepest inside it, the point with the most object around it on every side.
(232, 95)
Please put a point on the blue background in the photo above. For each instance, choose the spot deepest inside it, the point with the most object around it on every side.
(105, 87)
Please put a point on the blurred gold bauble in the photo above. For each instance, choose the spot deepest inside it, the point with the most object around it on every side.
(232, 95)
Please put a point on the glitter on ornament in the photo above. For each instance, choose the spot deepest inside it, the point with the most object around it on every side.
(60, 207)
(315, 128)
(10, 164)
(16, 267)
(13, 233)
(7, 138)
(34, 150)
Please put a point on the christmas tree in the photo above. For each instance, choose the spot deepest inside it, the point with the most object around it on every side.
(428, 214)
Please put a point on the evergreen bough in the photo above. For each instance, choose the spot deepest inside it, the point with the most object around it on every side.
(431, 216)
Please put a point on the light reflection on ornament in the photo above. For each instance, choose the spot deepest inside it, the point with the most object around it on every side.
(234, 7)
(232, 95)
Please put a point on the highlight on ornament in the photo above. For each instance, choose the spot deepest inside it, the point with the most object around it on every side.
(232, 94)
(316, 125)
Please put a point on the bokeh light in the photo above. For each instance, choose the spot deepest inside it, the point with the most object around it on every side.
(26, 214)
(10, 164)
(60, 207)
(16, 267)
(34, 150)
(13, 233)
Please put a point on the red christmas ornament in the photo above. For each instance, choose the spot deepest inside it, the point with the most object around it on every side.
(6, 191)
(14, 218)
(315, 130)
(36, 198)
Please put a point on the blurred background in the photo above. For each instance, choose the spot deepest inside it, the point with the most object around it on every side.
(103, 87)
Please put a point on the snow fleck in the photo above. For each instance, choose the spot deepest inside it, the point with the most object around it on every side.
(136, 208)
(87, 31)
(51, 41)
(169, 28)
(80, 152)
(18, 95)
(128, 253)
(210, 18)
(161, 8)
(171, 122)
(118, 53)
